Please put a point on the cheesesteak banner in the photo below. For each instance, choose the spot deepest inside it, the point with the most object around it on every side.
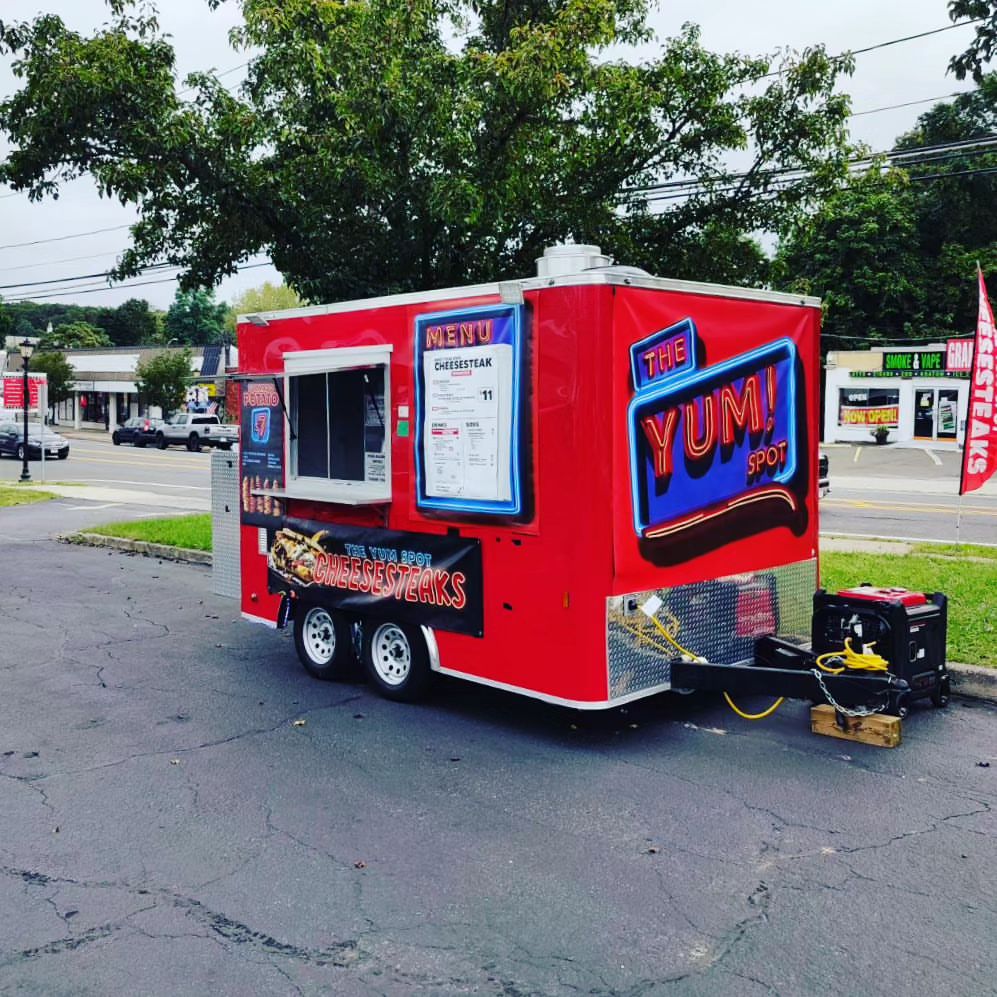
(418, 578)
(979, 454)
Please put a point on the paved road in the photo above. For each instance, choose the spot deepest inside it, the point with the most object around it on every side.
(905, 494)
(179, 478)
(166, 827)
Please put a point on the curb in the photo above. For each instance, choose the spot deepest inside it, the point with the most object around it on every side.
(165, 551)
(973, 681)
(969, 681)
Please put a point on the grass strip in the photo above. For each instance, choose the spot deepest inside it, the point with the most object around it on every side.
(14, 495)
(970, 585)
(956, 550)
(190, 532)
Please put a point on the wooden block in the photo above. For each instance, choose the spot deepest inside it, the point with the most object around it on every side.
(879, 729)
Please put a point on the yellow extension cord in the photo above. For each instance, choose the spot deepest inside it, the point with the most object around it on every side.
(850, 659)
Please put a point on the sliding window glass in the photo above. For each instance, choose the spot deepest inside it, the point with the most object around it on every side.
(338, 431)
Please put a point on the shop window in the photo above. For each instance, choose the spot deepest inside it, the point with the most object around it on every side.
(869, 408)
(338, 405)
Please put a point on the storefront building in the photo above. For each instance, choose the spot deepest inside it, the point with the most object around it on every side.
(105, 393)
(913, 395)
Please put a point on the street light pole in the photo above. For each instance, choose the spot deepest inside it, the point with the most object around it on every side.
(26, 349)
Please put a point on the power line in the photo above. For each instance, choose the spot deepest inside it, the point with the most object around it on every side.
(887, 44)
(911, 103)
(917, 155)
(68, 259)
(82, 276)
(144, 283)
(910, 38)
(63, 238)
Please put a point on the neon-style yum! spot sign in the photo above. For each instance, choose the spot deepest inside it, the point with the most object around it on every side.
(705, 441)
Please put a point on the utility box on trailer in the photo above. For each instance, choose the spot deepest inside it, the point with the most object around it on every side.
(489, 481)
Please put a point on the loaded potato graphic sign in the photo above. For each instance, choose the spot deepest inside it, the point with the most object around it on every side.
(417, 578)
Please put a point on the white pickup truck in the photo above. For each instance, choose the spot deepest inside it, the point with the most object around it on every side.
(196, 430)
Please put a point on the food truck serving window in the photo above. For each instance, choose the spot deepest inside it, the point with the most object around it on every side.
(337, 404)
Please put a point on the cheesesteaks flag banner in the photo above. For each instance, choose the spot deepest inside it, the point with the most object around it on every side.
(421, 578)
(979, 453)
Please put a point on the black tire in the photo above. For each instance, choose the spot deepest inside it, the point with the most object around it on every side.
(323, 639)
(160, 441)
(63, 455)
(194, 443)
(942, 694)
(115, 439)
(20, 451)
(396, 659)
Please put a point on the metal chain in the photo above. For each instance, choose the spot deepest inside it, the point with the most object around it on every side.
(844, 710)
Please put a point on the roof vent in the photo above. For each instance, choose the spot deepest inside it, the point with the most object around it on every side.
(558, 261)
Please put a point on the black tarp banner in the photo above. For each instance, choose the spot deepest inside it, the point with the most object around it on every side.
(419, 578)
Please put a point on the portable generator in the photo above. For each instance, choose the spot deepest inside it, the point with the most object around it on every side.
(906, 628)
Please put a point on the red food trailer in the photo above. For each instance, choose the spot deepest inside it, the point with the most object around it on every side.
(567, 486)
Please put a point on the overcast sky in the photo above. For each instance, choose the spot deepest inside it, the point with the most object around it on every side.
(912, 71)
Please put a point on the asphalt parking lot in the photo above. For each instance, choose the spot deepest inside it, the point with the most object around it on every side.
(182, 810)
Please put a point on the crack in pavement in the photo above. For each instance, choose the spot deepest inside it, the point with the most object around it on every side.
(173, 752)
(229, 930)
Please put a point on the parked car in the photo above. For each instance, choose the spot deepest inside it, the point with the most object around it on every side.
(195, 430)
(138, 431)
(12, 442)
(823, 480)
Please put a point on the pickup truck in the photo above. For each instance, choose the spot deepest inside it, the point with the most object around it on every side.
(194, 430)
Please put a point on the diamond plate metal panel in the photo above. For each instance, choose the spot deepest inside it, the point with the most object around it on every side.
(225, 569)
(718, 620)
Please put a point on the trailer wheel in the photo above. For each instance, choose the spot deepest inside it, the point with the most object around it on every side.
(397, 660)
(324, 642)
(943, 692)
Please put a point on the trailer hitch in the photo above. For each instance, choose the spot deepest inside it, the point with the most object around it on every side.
(782, 668)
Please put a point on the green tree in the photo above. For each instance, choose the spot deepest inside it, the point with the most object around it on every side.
(957, 202)
(860, 253)
(195, 318)
(7, 322)
(60, 375)
(162, 380)
(133, 323)
(74, 336)
(265, 298)
(391, 145)
(984, 44)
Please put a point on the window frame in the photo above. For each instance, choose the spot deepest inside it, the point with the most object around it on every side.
(331, 361)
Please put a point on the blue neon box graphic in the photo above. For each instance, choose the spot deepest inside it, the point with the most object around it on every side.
(712, 438)
(260, 421)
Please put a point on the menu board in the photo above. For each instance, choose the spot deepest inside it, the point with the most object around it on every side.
(468, 410)
(261, 452)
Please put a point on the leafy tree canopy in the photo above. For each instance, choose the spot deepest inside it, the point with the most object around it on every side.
(130, 324)
(74, 336)
(984, 44)
(195, 318)
(391, 145)
(60, 375)
(133, 323)
(163, 379)
(265, 298)
(859, 252)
